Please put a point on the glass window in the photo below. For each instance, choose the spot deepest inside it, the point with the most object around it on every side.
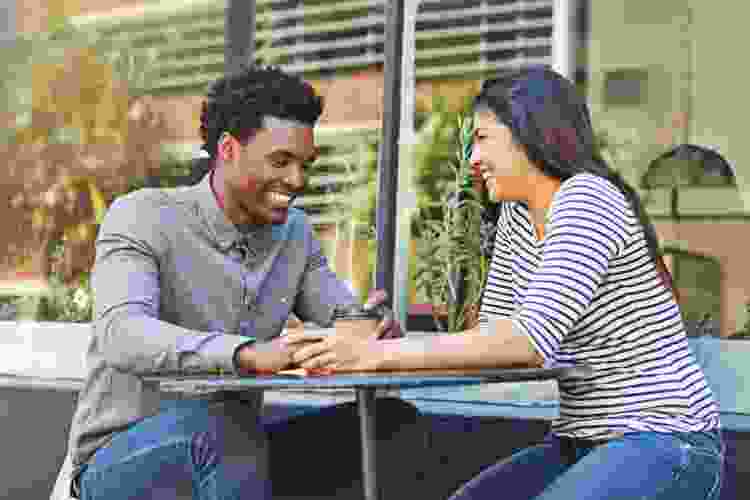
(698, 281)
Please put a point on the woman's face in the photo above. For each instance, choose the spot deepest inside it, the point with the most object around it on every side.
(502, 163)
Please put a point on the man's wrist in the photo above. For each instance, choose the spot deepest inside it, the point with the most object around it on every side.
(262, 357)
(243, 354)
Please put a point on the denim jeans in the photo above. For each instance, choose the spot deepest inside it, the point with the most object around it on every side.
(203, 450)
(642, 465)
(197, 449)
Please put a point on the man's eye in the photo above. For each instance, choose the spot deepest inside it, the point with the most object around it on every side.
(280, 162)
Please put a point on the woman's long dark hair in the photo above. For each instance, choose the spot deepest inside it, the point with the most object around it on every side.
(549, 118)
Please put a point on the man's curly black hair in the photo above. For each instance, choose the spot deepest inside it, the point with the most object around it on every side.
(238, 103)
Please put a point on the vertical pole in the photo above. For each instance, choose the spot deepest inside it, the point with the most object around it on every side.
(239, 32)
(7, 23)
(564, 37)
(406, 199)
(385, 220)
(366, 401)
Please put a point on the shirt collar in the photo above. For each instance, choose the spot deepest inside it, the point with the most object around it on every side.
(224, 231)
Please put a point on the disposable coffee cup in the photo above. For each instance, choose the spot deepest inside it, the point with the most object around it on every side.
(355, 320)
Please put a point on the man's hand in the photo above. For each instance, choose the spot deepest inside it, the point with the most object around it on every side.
(265, 357)
(389, 327)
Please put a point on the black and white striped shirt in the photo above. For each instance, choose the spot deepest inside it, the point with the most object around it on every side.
(589, 293)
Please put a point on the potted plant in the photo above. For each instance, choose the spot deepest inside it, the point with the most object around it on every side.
(451, 265)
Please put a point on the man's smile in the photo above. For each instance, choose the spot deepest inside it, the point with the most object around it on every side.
(280, 200)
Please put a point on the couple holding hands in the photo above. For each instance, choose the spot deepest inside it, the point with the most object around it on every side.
(576, 277)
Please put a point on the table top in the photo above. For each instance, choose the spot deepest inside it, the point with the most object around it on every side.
(402, 379)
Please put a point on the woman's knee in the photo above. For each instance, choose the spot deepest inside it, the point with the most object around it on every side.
(521, 476)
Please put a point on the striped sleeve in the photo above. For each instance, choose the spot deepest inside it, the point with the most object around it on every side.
(497, 298)
(587, 227)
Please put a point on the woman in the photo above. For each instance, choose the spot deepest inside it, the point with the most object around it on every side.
(576, 277)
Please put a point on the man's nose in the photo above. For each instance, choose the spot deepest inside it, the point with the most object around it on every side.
(296, 176)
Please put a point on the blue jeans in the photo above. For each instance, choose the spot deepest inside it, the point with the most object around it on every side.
(207, 450)
(643, 465)
(192, 449)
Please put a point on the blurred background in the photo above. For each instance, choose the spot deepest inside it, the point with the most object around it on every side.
(101, 97)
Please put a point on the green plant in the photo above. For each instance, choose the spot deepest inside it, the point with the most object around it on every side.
(745, 332)
(64, 300)
(451, 268)
(364, 194)
(434, 171)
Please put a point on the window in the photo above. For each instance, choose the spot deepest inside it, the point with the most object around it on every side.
(689, 165)
(698, 281)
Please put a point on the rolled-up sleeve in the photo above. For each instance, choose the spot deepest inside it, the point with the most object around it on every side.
(126, 287)
(586, 229)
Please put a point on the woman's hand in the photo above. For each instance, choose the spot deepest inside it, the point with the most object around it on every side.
(331, 352)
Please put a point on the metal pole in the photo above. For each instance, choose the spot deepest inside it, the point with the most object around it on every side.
(7, 23)
(239, 32)
(366, 401)
(385, 219)
(564, 37)
(406, 198)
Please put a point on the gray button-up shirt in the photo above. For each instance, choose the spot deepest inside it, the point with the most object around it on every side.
(178, 288)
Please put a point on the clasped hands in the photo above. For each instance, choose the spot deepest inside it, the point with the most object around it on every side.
(330, 352)
(324, 352)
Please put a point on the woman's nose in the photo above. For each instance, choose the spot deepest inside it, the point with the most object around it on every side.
(475, 156)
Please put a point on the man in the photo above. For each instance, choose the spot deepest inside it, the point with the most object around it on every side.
(202, 279)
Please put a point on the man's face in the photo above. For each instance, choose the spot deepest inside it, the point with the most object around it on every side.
(502, 163)
(261, 178)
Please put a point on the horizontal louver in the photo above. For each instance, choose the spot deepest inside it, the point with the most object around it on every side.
(468, 38)
(320, 38)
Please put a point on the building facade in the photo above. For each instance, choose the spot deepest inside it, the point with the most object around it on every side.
(657, 75)
(661, 74)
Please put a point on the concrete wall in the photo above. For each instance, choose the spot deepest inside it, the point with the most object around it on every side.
(676, 41)
(726, 241)
(635, 34)
(721, 81)
(668, 39)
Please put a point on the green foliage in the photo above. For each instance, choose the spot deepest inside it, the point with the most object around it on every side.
(71, 302)
(745, 332)
(437, 143)
(451, 268)
(364, 194)
(434, 173)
